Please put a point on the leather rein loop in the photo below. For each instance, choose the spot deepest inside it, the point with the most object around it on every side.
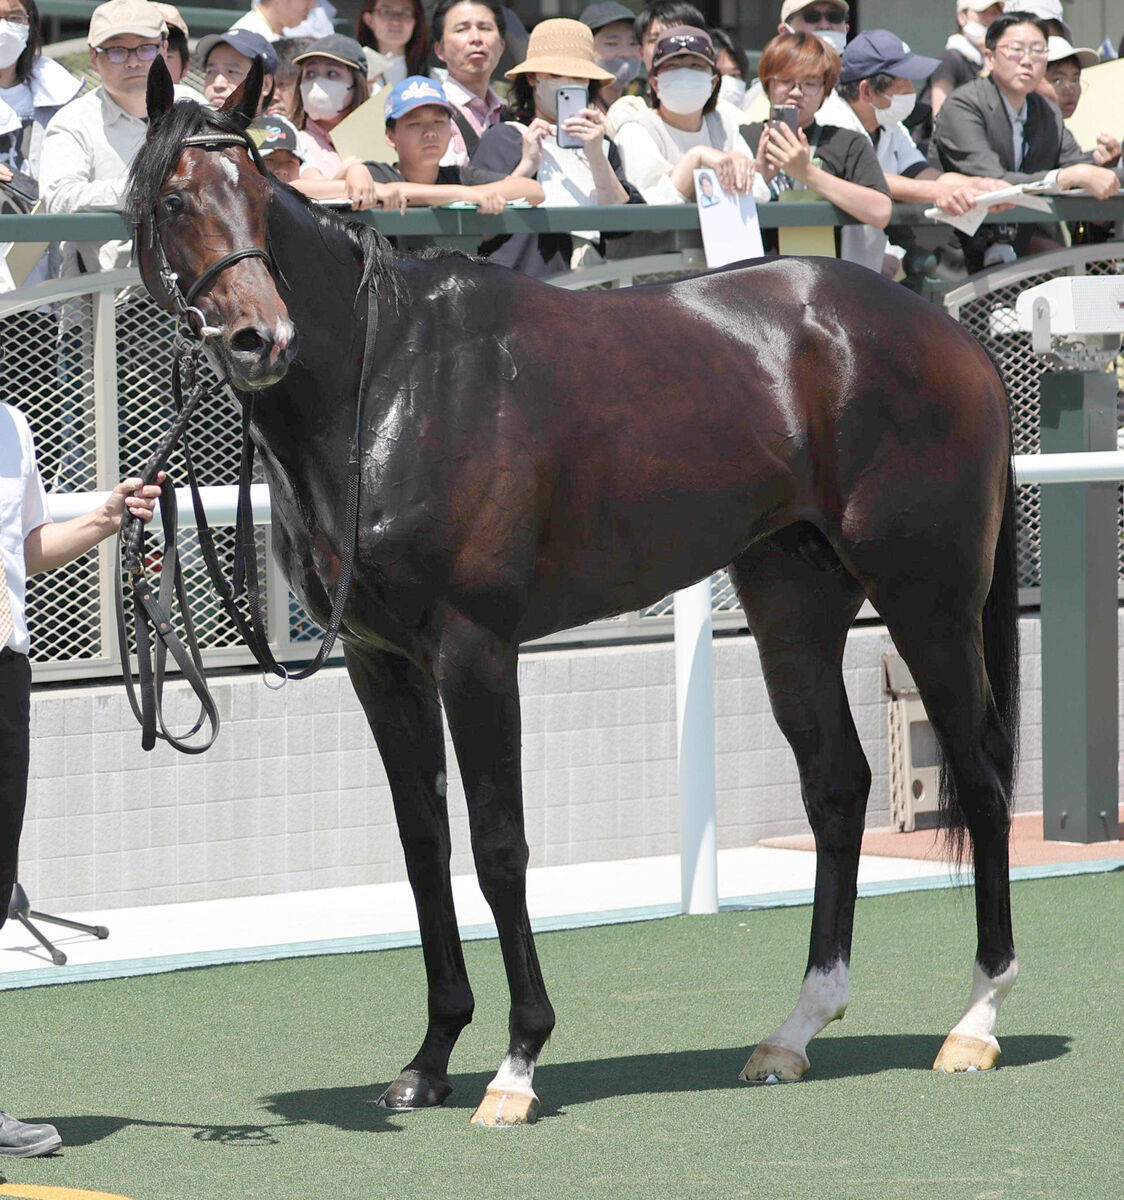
(151, 610)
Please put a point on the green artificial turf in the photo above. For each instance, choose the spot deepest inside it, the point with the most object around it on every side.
(260, 1080)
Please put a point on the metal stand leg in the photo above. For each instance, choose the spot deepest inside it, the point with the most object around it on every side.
(1079, 614)
(20, 907)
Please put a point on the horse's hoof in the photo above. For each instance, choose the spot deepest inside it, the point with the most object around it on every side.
(413, 1090)
(775, 1064)
(960, 1053)
(500, 1109)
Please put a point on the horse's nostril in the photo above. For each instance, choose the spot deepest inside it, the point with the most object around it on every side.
(249, 341)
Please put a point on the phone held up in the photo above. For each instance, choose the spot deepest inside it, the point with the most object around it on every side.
(570, 101)
(784, 114)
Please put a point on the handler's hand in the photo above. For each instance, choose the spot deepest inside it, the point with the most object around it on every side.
(138, 498)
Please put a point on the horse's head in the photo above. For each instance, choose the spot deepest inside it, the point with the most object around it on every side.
(197, 200)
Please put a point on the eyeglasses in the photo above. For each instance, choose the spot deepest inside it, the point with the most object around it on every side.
(120, 54)
(393, 14)
(808, 87)
(833, 16)
(15, 17)
(1064, 84)
(1014, 51)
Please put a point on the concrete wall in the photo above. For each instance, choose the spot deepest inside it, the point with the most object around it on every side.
(294, 795)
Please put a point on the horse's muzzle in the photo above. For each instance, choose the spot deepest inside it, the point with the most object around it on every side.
(258, 356)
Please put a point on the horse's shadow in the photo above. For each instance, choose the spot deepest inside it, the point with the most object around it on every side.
(355, 1108)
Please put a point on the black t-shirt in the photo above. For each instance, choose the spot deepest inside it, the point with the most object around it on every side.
(543, 254)
(843, 153)
(954, 71)
(452, 175)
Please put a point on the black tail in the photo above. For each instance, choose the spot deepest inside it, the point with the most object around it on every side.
(1001, 659)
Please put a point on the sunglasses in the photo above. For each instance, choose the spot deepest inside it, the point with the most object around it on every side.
(680, 43)
(833, 16)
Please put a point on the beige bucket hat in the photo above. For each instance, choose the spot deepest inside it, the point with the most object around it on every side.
(561, 47)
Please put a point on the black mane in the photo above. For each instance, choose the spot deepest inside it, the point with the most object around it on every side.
(163, 146)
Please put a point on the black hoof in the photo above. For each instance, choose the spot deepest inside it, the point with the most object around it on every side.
(413, 1090)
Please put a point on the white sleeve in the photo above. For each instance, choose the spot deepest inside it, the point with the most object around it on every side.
(65, 169)
(645, 167)
(906, 154)
(35, 511)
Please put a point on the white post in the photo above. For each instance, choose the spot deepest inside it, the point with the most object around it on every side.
(694, 706)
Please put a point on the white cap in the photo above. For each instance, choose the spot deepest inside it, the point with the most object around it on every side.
(126, 16)
(1048, 10)
(1058, 48)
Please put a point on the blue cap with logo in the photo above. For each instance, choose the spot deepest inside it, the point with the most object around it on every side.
(878, 52)
(413, 92)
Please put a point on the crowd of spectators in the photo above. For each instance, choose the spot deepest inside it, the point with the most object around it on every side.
(855, 117)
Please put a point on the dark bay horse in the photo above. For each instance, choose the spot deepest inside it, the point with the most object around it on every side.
(534, 458)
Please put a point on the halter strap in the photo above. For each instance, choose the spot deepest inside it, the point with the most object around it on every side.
(219, 265)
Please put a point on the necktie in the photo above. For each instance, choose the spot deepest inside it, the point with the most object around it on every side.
(5, 608)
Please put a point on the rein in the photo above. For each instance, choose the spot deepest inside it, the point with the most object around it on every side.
(151, 610)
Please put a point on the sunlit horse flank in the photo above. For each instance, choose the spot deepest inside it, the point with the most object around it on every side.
(534, 458)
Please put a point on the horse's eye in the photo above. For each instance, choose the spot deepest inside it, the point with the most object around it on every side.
(173, 204)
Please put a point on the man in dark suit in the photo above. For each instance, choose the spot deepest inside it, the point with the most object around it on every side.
(1000, 127)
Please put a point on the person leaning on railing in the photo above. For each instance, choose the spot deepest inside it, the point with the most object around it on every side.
(90, 144)
(32, 90)
(800, 69)
(1001, 128)
(559, 54)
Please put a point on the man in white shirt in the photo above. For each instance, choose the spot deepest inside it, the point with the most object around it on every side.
(30, 543)
(468, 39)
(876, 92)
(90, 144)
(274, 19)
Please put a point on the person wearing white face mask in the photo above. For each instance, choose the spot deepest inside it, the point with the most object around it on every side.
(875, 94)
(333, 83)
(32, 88)
(662, 147)
(827, 19)
(559, 54)
(962, 62)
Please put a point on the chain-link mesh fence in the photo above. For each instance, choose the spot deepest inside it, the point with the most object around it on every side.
(121, 411)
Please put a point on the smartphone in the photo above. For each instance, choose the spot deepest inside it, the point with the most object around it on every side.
(784, 114)
(570, 100)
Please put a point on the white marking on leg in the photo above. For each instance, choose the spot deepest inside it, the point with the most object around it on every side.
(982, 1014)
(515, 1076)
(823, 999)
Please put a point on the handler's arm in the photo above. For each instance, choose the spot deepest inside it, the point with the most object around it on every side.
(55, 544)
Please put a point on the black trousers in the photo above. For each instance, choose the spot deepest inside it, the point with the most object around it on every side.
(15, 745)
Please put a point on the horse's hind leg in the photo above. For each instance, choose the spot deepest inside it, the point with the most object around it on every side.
(799, 613)
(479, 688)
(944, 651)
(402, 708)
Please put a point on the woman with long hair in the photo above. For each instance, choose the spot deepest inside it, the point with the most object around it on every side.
(394, 34)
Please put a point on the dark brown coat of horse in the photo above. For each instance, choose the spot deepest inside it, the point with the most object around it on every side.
(534, 458)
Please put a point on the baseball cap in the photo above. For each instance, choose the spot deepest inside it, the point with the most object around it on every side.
(271, 132)
(338, 47)
(412, 92)
(1058, 48)
(1048, 10)
(879, 51)
(791, 7)
(172, 16)
(597, 16)
(245, 41)
(684, 40)
(125, 16)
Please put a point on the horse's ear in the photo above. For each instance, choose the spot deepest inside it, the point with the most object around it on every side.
(242, 103)
(161, 94)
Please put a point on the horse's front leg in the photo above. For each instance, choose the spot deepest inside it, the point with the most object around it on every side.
(477, 678)
(402, 708)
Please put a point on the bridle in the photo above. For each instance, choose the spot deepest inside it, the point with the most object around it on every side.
(189, 318)
(188, 392)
